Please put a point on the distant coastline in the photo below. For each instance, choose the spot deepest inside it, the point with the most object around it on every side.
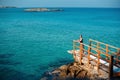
(7, 6)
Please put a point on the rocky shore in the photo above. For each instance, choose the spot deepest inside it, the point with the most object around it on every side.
(42, 10)
(74, 71)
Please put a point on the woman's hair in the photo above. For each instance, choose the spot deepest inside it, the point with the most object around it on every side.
(80, 35)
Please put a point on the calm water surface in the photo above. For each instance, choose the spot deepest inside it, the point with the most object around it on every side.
(34, 42)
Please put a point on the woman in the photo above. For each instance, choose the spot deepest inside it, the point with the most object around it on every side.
(81, 39)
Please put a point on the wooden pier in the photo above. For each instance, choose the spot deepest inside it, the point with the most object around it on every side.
(98, 54)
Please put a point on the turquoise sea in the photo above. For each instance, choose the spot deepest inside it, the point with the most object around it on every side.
(32, 43)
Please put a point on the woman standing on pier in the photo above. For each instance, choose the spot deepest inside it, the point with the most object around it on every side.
(80, 39)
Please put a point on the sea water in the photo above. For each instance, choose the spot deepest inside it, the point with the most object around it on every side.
(32, 43)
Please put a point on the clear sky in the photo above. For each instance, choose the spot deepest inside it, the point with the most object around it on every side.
(62, 3)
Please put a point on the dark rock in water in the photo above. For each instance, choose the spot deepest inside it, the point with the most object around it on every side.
(45, 78)
(42, 10)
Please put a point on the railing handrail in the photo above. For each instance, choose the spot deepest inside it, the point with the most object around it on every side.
(96, 49)
(103, 43)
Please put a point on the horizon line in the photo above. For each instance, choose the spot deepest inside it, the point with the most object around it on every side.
(58, 6)
(64, 7)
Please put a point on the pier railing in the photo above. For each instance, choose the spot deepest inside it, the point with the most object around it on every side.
(107, 51)
(100, 51)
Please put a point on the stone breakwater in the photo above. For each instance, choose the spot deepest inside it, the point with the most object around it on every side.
(73, 71)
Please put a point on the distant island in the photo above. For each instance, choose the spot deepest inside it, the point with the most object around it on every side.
(42, 10)
(7, 6)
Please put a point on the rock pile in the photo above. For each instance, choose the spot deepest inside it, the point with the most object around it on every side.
(72, 71)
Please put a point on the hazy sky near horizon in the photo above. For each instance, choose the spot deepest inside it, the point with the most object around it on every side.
(62, 3)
